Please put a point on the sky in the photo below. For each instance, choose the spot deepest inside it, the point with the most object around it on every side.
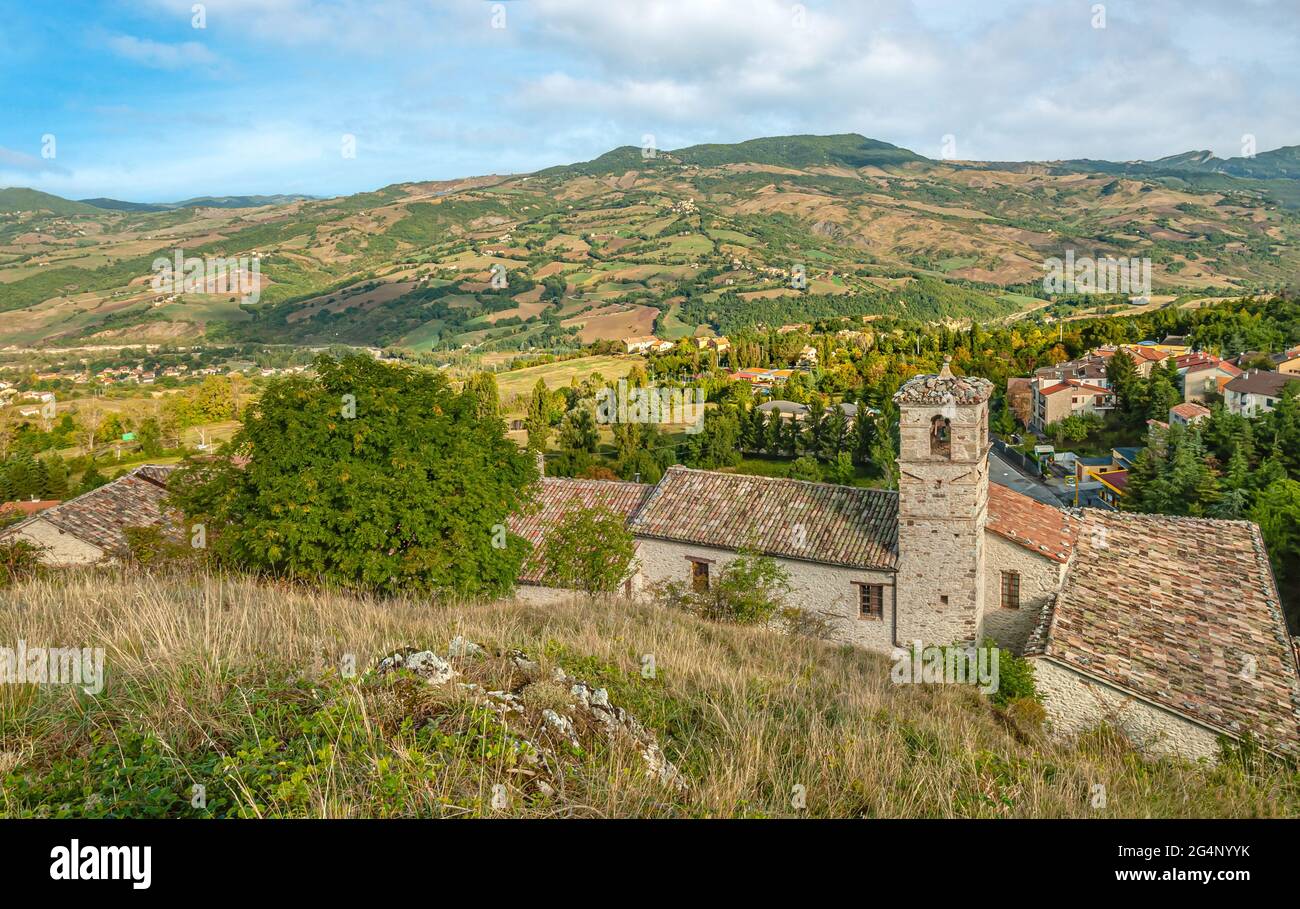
(163, 100)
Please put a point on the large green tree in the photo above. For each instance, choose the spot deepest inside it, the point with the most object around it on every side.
(371, 476)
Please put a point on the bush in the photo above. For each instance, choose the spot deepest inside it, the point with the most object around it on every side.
(589, 549)
(371, 476)
(1015, 678)
(748, 591)
(19, 560)
(149, 547)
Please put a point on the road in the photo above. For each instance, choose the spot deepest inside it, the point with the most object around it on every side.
(1004, 474)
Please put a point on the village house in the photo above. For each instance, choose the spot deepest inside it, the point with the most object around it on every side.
(790, 410)
(90, 528)
(1055, 400)
(1145, 357)
(1187, 414)
(764, 379)
(1090, 370)
(721, 344)
(1287, 362)
(1256, 391)
(1203, 376)
(640, 344)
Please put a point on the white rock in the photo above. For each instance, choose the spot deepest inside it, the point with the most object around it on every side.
(459, 647)
(430, 667)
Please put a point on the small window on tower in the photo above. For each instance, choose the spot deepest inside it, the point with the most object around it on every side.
(941, 436)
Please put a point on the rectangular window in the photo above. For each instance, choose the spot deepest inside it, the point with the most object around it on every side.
(699, 576)
(871, 601)
(1010, 590)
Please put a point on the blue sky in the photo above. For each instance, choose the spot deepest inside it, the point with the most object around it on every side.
(144, 106)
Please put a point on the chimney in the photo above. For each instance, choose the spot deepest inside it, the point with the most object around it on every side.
(541, 463)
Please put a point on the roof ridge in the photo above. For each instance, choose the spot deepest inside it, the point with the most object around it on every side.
(760, 477)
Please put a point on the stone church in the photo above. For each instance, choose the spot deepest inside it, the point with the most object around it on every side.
(1169, 629)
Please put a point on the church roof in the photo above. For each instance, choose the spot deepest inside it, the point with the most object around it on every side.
(1038, 527)
(819, 522)
(1183, 612)
(554, 495)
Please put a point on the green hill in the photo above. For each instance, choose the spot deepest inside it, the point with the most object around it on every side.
(18, 199)
(847, 150)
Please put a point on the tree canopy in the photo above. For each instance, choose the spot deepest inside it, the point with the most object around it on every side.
(368, 475)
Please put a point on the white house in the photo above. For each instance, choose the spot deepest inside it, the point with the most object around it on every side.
(1256, 391)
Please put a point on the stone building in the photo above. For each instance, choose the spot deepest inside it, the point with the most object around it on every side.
(1170, 629)
(89, 528)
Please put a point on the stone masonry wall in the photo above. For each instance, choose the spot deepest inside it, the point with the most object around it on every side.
(1076, 703)
(824, 589)
(61, 549)
(1040, 578)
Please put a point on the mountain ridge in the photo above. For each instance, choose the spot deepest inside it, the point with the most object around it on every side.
(795, 150)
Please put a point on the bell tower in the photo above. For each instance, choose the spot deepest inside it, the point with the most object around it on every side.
(943, 492)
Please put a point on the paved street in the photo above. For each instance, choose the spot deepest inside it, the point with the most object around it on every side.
(1003, 473)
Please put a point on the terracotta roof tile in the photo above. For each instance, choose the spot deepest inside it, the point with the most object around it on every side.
(98, 517)
(1190, 410)
(839, 525)
(1183, 612)
(554, 495)
(1038, 527)
(26, 507)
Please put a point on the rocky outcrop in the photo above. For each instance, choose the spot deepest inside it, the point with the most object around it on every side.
(550, 728)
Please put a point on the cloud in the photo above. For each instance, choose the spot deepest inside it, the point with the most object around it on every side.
(158, 55)
(432, 91)
(17, 165)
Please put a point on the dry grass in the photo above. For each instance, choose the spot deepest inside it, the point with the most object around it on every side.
(234, 685)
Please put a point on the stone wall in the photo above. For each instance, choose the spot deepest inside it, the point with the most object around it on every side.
(1076, 703)
(1040, 578)
(60, 548)
(826, 590)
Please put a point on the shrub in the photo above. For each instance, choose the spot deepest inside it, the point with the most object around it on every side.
(370, 476)
(589, 549)
(19, 560)
(150, 547)
(749, 590)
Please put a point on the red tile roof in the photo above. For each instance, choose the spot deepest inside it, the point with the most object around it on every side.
(1074, 385)
(1196, 361)
(28, 507)
(1183, 612)
(1189, 410)
(819, 522)
(554, 495)
(1040, 528)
